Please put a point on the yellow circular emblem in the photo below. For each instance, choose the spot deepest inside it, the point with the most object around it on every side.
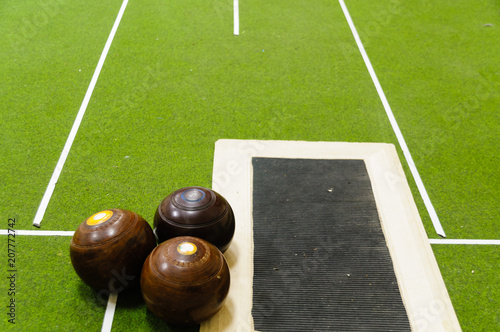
(99, 217)
(187, 248)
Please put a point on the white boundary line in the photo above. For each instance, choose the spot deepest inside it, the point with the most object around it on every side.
(432, 241)
(69, 142)
(110, 312)
(236, 14)
(423, 192)
(70, 233)
(464, 241)
(36, 233)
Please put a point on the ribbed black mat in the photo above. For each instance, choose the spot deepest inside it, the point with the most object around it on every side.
(320, 258)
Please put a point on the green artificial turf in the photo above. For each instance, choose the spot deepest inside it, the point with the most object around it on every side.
(172, 87)
(437, 62)
(133, 315)
(46, 64)
(48, 294)
(176, 80)
(471, 276)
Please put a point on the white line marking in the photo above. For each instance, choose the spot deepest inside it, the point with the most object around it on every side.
(71, 233)
(69, 142)
(110, 312)
(464, 241)
(36, 233)
(427, 201)
(236, 17)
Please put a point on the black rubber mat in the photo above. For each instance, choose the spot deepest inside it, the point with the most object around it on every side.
(320, 258)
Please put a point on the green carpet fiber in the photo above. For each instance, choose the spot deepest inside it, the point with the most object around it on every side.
(176, 80)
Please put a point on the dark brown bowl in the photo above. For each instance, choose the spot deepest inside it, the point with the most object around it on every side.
(109, 248)
(185, 280)
(198, 212)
